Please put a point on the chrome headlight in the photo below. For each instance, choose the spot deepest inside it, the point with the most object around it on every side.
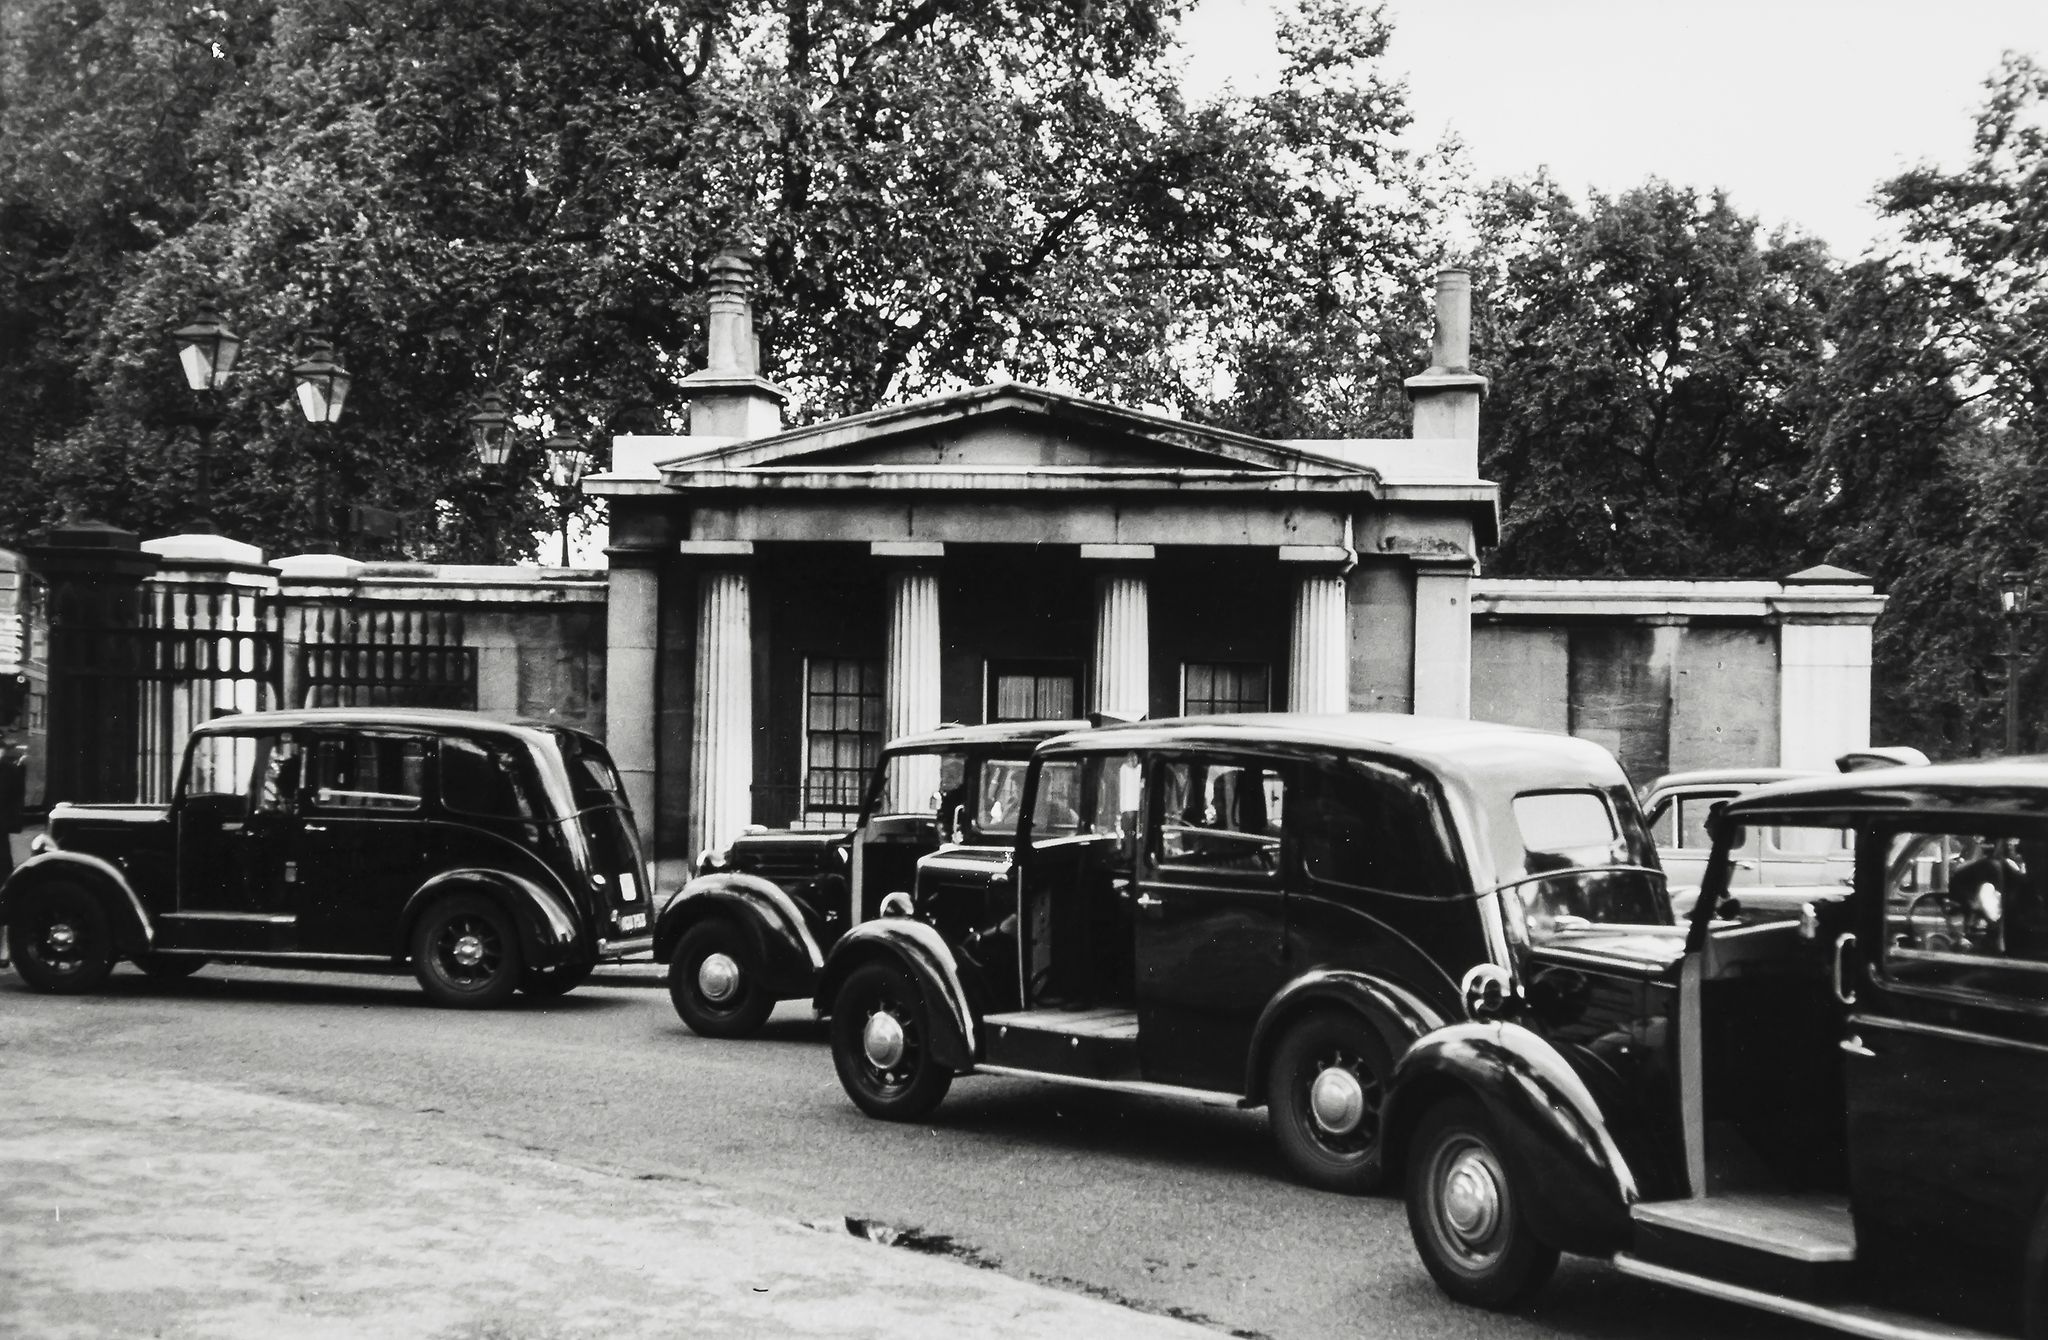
(41, 843)
(710, 861)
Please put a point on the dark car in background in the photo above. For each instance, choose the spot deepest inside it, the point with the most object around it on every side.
(1835, 1118)
(1258, 910)
(754, 926)
(488, 857)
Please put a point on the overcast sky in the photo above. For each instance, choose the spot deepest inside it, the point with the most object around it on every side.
(1797, 107)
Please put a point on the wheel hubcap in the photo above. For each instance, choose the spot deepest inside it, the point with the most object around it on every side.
(1471, 1198)
(468, 951)
(718, 978)
(881, 1040)
(62, 937)
(1336, 1101)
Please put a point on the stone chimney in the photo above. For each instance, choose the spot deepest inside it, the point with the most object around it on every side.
(1446, 396)
(729, 398)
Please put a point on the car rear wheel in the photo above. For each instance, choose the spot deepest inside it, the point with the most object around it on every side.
(1465, 1211)
(1323, 1094)
(881, 1044)
(558, 980)
(465, 952)
(61, 942)
(714, 981)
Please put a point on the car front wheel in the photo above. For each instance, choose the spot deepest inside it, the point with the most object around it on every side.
(1465, 1211)
(60, 939)
(465, 952)
(1323, 1094)
(714, 981)
(881, 1044)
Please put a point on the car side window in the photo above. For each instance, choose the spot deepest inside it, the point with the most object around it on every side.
(1224, 816)
(221, 765)
(483, 778)
(278, 770)
(369, 772)
(1367, 826)
(1968, 911)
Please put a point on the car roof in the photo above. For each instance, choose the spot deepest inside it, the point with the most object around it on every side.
(397, 718)
(994, 732)
(1992, 786)
(1451, 744)
(1728, 777)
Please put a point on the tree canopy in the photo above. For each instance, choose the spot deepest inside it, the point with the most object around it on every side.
(522, 194)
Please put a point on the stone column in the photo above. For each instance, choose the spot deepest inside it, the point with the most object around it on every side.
(722, 754)
(911, 680)
(1443, 638)
(632, 624)
(1123, 631)
(1824, 617)
(1319, 645)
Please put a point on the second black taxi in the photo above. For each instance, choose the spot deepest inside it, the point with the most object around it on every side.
(1257, 910)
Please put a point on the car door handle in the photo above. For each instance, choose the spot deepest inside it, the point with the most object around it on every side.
(1147, 900)
(1853, 1045)
(314, 828)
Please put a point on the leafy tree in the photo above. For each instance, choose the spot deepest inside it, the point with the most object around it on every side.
(1931, 450)
(522, 193)
(1653, 363)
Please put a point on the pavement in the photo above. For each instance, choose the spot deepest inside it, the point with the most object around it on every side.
(154, 1205)
(158, 1206)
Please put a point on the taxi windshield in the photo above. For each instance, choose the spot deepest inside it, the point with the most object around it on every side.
(1589, 863)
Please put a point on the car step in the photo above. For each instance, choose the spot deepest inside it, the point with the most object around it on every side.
(1099, 1044)
(1854, 1319)
(1803, 1245)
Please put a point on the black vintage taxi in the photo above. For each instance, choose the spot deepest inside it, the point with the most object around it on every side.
(490, 857)
(1835, 1118)
(754, 925)
(1258, 910)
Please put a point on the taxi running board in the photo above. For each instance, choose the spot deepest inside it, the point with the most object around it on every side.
(1874, 1323)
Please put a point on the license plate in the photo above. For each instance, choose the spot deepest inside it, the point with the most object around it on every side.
(633, 921)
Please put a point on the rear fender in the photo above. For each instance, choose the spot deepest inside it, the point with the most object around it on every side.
(1397, 1014)
(923, 953)
(1552, 1130)
(133, 930)
(789, 954)
(550, 932)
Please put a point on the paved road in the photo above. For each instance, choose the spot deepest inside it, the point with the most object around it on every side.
(1170, 1209)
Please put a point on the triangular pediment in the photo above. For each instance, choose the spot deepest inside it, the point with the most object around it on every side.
(1005, 429)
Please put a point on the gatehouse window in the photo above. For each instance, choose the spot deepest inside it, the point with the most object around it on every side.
(1209, 687)
(1032, 690)
(843, 726)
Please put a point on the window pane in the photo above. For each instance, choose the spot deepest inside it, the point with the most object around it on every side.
(842, 732)
(1219, 816)
(1371, 827)
(1968, 912)
(482, 779)
(1230, 686)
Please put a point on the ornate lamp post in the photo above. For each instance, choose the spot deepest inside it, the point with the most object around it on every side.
(491, 429)
(2015, 599)
(567, 458)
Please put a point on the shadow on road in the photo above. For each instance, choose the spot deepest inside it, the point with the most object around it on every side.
(243, 985)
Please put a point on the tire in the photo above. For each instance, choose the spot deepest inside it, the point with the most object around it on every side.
(170, 967)
(559, 980)
(1324, 1089)
(714, 981)
(1464, 1211)
(60, 940)
(907, 1086)
(465, 952)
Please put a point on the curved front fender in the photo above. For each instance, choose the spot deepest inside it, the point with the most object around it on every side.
(551, 933)
(924, 953)
(134, 932)
(1397, 1014)
(1551, 1127)
(790, 957)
